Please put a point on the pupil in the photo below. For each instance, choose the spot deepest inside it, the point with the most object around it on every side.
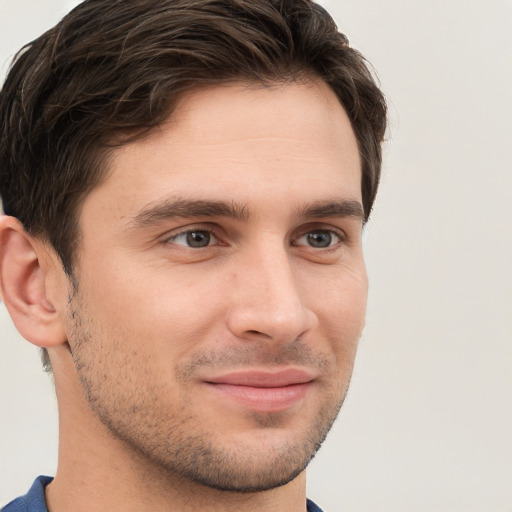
(320, 239)
(198, 238)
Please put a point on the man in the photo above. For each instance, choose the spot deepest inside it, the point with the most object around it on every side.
(185, 184)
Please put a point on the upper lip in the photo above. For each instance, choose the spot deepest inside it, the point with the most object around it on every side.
(264, 378)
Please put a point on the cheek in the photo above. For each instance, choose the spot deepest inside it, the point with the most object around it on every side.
(342, 315)
(153, 307)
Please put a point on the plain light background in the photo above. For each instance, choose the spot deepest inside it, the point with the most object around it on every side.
(427, 425)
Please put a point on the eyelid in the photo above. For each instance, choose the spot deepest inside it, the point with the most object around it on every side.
(219, 237)
(311, 228)
(335, 241)
(169, 237)
(212, 241)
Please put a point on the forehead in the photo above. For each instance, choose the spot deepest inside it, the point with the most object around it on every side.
(242, 142)
(252, 110)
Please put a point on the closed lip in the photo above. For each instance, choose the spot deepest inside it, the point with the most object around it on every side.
(264, 378)
(263, 391)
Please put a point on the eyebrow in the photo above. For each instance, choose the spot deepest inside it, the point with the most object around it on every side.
(182, 208)
(333, 208)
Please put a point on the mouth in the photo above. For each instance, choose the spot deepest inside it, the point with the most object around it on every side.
(263, 391)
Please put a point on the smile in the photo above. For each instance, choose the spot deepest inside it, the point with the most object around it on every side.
(264, 391)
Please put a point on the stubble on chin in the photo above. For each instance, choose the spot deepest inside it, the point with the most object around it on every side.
(175, 440)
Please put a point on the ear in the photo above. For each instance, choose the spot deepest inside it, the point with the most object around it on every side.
(24, 268)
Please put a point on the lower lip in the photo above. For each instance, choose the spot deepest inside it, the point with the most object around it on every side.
(264, 399)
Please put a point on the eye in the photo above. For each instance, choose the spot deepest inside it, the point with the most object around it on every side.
(319, 239)
(195, 238)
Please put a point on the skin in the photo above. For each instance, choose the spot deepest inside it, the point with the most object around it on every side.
(277, 282)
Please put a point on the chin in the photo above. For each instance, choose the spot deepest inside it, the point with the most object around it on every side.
(232, 473)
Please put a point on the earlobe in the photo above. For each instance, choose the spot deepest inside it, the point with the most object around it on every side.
(23, 280)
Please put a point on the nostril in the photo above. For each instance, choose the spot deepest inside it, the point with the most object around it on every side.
(258, 333)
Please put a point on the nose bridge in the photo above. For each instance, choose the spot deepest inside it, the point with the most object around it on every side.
(269, 300)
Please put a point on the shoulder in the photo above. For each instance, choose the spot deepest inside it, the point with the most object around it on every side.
(33, 501)
(312, 507)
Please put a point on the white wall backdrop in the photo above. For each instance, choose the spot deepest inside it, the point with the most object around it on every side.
(427, 425)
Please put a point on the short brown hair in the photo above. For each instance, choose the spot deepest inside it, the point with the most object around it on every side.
(113, 69)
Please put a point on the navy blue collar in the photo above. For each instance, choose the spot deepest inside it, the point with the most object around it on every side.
(34, 500)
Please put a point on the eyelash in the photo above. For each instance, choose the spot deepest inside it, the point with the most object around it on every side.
(173, 238)
(338, 234)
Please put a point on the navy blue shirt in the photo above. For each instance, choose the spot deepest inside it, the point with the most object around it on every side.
(34, 501)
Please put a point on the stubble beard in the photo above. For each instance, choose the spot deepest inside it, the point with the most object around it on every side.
(173, 442)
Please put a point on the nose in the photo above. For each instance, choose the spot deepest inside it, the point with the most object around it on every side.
(268, 301)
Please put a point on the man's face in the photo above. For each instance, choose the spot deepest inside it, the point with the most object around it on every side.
(221, 285)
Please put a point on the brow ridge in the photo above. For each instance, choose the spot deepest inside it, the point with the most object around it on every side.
(185, 208)
(333, 208)
(155, 213)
